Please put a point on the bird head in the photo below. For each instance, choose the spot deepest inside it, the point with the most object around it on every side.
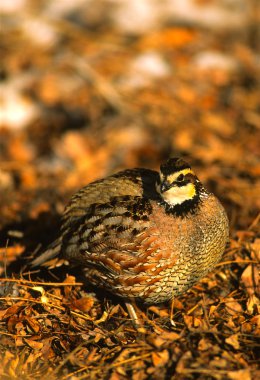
(178, 183)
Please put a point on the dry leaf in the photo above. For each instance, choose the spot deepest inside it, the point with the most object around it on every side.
(33, 324)
(256, 248)
(11, 310)
(9, 254)
(253, 304)
(155, 340)
(250, 279)
(241, 374)
(83, 304)
(204, 345)
(232, 340)
(34, 344)
(160, 358)
(69, 280)
(233, 307)
(195, 323)
(170, 336)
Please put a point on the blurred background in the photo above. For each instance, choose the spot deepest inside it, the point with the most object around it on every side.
(90, 87)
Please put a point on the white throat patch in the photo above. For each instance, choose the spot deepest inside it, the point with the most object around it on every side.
(177, 195)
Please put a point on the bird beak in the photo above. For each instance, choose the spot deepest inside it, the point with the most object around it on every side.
(165, 186)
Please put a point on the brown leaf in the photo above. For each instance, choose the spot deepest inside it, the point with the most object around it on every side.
(232, 306)
(244, 235)
(158, 311)
(83, 304)
(253, 304)
(160, 358)
(178, 304)
(12, 321)
(11, 310)
(241, 374)
(9, 254)
(117, 309)
(34, 344)
(33, 324)
(219, 362)
(184, 362)
(232, 340)
(255, 320)
(246, 328)
(171, 336)
(155, 340)
(20, 329)
(118, 374)
(212, 310)
(19, 341)
(47, 351)
(204, 345)
(67, 289)
(69, 280)
(256, 248)
(195, 323)
(250, 279)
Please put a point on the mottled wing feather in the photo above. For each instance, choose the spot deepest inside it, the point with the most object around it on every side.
(135, 182)
(114, 226)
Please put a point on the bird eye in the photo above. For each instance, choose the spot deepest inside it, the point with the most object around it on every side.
(180, 178)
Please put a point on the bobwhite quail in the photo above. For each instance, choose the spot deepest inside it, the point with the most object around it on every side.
(142, 234)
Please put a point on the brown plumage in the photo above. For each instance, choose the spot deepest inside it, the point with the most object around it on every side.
(142, 234)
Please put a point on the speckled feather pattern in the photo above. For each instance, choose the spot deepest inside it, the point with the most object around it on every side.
(118, 230)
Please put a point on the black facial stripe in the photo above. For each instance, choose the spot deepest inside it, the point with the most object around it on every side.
(188, 178)
(180, 184)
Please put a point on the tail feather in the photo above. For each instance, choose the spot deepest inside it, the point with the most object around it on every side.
(49, 257)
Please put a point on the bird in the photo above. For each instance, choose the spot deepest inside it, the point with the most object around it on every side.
(142, 234)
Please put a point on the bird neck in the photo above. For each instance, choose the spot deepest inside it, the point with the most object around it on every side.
(189, 206)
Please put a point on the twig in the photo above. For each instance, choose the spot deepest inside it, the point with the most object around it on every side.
(20, 282)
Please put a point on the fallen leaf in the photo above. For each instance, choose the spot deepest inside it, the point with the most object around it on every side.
(11, 310)
(83, 304)
(33, 324)
(253, 304)
(241, 374)
(256, 248)
(9, 254)
(246, 328)
(195, 323)
(155, 340)
(204, 345)
(250, 279)
(34, 344)
(170, 336)
(69, 280)
(160, 358)
(232, 306)
(232, 340)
